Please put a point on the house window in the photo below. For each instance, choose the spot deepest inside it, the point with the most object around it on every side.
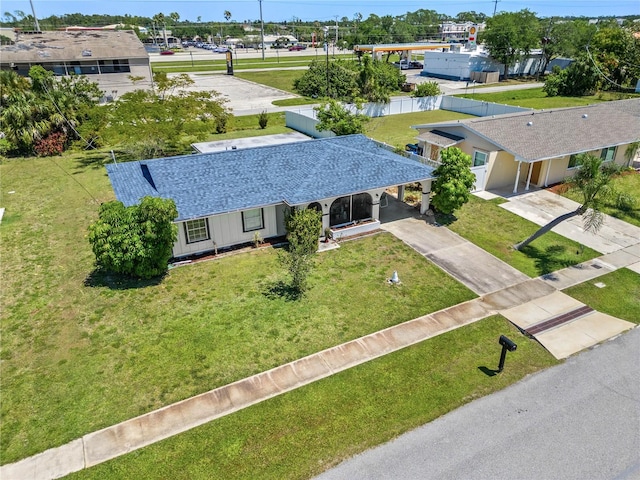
(574, 161)
(197, 230)
(608, 154)
(361, 207)
(479, 158)
(252, 220)
(340, 211)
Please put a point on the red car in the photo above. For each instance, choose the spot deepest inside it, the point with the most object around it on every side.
(295, 48)
(167, 52)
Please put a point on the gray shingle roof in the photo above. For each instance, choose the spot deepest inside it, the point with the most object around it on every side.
(68, 46)
(540, 135)
(296, 173)
(440, 138)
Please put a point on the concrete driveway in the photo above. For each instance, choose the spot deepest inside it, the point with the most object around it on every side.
(542, 206)
(477, 269)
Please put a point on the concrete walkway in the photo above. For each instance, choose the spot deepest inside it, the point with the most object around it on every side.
(503, 290)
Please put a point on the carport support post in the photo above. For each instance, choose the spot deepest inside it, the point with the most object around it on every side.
(515, 186)
(529, 176)
(426, 196)
(401, 192)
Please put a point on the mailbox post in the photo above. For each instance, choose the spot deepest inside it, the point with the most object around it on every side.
(507, 344)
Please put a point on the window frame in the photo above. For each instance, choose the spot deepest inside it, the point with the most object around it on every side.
(486, 158)
(604, 153)
(187, 229)
(573, 158)
(244, 221)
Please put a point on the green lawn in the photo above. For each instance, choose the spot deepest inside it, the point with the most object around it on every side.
(304, 432)
(396, 129)
(536, 98)
(282, 80)
(629, 184)
(619, 297)
(81, 352)
(496, 230)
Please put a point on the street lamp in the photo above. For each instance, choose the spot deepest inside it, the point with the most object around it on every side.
(326, 49)
(261, 30)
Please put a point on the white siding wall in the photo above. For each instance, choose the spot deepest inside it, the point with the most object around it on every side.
(225, 230)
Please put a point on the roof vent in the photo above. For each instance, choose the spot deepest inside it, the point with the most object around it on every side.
(584, 115)
(529, 124)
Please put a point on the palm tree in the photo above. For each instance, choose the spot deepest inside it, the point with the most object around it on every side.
(592, 181)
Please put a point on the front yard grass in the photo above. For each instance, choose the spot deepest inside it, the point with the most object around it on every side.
(282, 79)
(620, 297)
(629, 184)
(496, 230)
(537, 99)
(80, 352)
(304, 432)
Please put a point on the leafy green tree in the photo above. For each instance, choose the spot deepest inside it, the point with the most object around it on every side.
(454, 181)
(511, 35)
(333, 116)
(303, 227)
(579, 78)
(135, 241)
(566, 39)
(593, 183)
(150, 124)
(340, 82)
(426, 89)
(616, 51)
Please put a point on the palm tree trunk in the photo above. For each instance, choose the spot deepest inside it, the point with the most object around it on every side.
(544, 229)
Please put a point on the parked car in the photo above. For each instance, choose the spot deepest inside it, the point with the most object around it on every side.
(413, 148)
(415, 65)
(167, 52)
(402, 64)
(295, 48)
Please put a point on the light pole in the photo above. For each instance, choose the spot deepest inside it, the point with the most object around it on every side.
(326, 49)
(261, 30)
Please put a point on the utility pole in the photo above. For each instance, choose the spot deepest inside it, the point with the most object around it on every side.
(35, 18)
(495, 6)
(261, 30)
(334, 47)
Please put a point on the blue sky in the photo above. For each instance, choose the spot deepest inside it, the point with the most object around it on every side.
(309, 10)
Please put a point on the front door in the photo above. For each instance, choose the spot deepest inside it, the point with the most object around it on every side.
(535, 173)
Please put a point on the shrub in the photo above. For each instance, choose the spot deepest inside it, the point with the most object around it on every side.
(426, 89)
(625, 202)
(52, 144)
(263, 119)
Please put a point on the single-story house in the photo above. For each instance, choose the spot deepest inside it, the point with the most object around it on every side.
(538, 147)
(226, 198)
(107, 57)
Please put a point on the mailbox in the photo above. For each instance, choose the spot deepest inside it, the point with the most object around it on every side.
(507, 343)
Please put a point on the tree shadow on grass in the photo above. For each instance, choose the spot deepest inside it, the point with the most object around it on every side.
(281, 289)
(114, 281)
(552, 258)
(92, 159)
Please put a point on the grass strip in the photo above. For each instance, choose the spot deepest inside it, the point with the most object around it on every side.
(304, 432)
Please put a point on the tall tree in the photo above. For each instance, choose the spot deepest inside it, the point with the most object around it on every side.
(335, 117)
(454, 181)
(511, 35)
(303, 227)
(593, 182)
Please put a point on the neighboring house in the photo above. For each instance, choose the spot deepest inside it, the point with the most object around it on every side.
(225, 198)
(536, 148)
(107, 57)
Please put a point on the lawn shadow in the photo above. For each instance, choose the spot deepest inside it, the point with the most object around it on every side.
(445, 219)
(114, 281)
(93, 159)
(281, 289)
(489, 372)
(550, 259)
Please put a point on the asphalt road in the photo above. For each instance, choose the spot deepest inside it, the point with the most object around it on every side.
(579, 420)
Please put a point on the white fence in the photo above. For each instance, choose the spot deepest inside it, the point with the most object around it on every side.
(304, 119)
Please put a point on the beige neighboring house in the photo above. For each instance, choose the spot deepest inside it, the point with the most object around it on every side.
(107, 57)
(537, 148)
